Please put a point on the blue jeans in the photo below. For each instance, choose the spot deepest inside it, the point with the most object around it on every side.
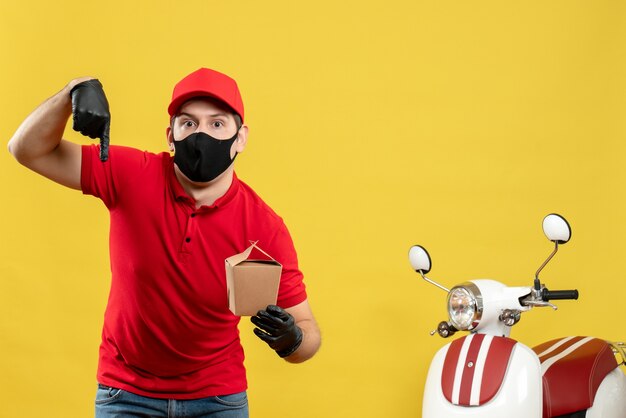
(118, 403)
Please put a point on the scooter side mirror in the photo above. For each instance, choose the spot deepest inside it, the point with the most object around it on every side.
(419, 259)
(556, 228)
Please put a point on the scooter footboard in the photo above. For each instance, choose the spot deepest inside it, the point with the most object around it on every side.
(519, 394)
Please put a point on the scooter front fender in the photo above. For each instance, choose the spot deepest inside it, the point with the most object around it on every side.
(519, 396)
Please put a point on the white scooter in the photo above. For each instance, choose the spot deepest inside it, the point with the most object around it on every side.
(489, 375)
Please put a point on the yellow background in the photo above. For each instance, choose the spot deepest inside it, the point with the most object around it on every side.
(373, 126)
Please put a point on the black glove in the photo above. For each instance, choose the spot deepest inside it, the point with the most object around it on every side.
(278, 329)
(90, 109)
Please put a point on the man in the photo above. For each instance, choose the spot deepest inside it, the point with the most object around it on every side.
(170, 344)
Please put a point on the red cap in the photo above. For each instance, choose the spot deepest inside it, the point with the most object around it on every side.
(206, 82)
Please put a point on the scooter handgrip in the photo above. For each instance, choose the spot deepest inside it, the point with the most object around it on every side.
(559, 294)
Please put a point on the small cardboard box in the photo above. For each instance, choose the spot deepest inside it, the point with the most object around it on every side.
(251, 284)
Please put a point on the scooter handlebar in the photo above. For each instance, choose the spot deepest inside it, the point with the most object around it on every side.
(559, 294)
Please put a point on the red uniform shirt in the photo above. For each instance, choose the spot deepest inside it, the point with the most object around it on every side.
(168, 332)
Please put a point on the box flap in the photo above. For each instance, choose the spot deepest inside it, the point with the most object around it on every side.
(238, 258)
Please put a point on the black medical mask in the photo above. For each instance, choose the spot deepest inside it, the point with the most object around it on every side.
(201, 157)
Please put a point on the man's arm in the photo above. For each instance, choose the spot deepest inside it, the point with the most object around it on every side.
(311, 338)
(38, 144)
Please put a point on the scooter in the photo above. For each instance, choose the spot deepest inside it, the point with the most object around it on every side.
(489, 375)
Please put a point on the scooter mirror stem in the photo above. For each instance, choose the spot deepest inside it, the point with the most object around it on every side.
(537, 282)
(433, 282)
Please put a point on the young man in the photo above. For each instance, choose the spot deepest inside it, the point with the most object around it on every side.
(170, 344)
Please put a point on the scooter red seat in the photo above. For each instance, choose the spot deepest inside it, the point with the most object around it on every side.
(573, 368)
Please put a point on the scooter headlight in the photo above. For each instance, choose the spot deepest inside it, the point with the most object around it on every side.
(465, 306)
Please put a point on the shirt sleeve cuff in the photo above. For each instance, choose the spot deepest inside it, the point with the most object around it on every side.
(86, 167)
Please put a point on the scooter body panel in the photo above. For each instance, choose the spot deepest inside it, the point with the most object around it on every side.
(520, 395)
(610, 400)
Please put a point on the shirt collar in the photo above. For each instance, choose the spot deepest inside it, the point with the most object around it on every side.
(182, 196)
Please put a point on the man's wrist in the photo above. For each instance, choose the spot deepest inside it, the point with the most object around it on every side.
(289, 351)
(70, 86)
